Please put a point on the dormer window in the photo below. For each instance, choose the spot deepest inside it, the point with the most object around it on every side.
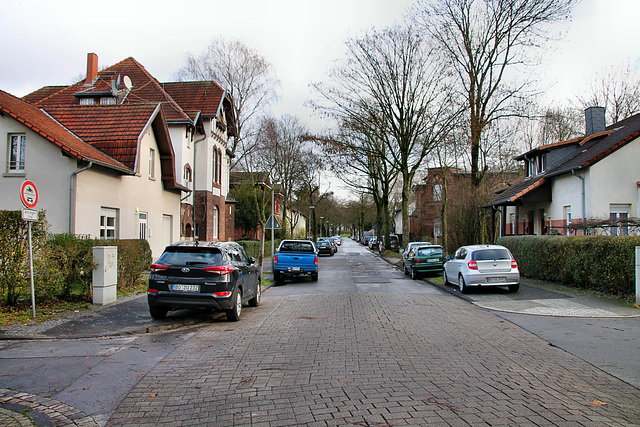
(87, 101)
(542, 163)
(107, 100)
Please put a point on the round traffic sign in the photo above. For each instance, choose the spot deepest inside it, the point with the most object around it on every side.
(29, 194)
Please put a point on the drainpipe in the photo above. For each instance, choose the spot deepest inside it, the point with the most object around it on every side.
(72, 196)
(193, 177)
(573, 172)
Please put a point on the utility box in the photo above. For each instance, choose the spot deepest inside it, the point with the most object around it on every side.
(105, 274)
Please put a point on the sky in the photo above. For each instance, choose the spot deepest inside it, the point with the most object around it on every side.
(46, 42)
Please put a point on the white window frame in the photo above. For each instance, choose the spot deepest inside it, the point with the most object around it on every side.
(109, 223)
(143, 226)
(620, 210)
(216, 222)
(567, 217)
(152, 163)
(437, 192)
(16, 163)
(108, 100)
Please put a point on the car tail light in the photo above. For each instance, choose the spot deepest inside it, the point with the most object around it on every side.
(316, 261)
(219, 269)
(514, 264)
(155, 268)
(152, 291)
(275, 258)
(473, 265)
(416, 261)
(222, 294)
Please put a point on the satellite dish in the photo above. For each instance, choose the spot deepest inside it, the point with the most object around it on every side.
(127, 82)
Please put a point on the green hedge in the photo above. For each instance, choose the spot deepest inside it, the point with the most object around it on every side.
(252, 247)
(601, 263)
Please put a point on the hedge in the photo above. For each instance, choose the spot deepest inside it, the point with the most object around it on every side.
(601, 263)
(252, 247)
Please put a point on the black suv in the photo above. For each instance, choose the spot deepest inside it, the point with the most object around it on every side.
(212, 275)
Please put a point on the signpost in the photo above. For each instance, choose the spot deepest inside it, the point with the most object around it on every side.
(29, 198)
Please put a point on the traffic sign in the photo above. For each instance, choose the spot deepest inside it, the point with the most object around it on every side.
(29, 194)
(272, 223)
(29, 214)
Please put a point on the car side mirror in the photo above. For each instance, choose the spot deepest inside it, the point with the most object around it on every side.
(252, 260)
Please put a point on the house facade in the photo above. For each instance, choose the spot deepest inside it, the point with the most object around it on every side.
(200, 121)
(115, 192)
(586, 185)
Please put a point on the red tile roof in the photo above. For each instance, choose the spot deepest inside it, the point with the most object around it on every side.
(205, 97)
(42, 93)
(40, 122)
(146, 89)
(113, 129)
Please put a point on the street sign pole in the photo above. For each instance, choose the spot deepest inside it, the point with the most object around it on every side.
(33, 289)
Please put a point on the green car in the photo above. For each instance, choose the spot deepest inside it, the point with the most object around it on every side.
(423, 259)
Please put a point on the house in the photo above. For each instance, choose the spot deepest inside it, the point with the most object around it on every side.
(589, 184)
(199, 120)
(103, 171)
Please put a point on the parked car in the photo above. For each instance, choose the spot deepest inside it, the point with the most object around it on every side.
(482, 265)
(337, 239)
(210, 275)
(325, 247)
(423, 259)
(393, 240)
(373, 243)
(404, 252)
(295, 258)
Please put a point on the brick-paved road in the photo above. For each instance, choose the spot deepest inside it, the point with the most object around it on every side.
(352, 350)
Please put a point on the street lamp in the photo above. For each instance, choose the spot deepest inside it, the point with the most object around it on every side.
(322, 225)
(273, 220)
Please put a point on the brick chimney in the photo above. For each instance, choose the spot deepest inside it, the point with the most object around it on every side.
(92, 68)
(594, 120)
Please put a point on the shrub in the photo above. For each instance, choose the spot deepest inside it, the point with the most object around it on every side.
(134, 259)
(14, 253)
(601, 263)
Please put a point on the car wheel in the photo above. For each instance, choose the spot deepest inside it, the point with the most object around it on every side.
(314, 277)
(277, 277)
(158, 313)
(234, 314)
(414, 274)
(514, 288)
(462, 285)
(444, 277)
(255, 301)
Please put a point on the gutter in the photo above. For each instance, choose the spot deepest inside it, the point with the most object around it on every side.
(72, 196)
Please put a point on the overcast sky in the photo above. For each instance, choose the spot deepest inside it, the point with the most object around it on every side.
(46, 42)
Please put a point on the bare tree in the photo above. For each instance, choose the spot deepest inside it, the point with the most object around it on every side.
(481, 40)
(247, 75)
(616, 89)
(388, 85)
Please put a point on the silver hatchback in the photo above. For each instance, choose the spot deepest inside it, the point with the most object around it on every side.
(482, 265)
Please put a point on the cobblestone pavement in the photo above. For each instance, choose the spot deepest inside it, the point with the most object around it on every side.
(41, 411)
(374, 359)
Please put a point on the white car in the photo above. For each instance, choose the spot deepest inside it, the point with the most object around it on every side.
(482, 265)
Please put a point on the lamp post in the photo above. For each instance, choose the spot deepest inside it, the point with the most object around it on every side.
(273, 220)
(322, 226)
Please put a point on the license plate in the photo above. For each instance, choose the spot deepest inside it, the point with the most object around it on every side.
(186, 288)
(496, 279)
(295, 269)
(433, 260)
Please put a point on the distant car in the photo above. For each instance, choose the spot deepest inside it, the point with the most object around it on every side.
(373, 243)
(337, 239)
(211, 275)
(404, 252)
(482, 265)
(325, 247)
(423, 259)
(393, 240)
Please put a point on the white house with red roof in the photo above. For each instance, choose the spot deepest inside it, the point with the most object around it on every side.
(589, 184)
(140, 159)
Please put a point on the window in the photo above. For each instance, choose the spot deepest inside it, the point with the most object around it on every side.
(16, 153)
(542, 163)
(437, 192)
(619, 213)
(87, 101)
(108, 101)
(216, 222)
(142, 225)
(187, 176)
(567, 218)
(152, 163)
(108, 223)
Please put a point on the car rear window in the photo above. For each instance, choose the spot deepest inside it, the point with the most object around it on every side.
(490, 254)
(429, 251)
(296, 247)
(191, 256)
